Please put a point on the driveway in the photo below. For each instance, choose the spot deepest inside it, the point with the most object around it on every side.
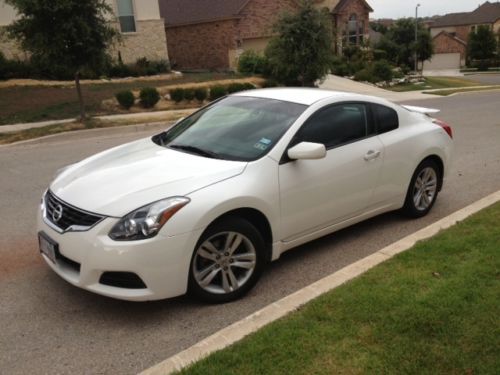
(48, 326)
(333, 82)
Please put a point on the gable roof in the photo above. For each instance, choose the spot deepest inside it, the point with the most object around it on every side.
(451, 36)
(485, 13)
(180, 12)
(343, 3)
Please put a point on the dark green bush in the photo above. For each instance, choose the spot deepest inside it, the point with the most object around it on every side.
(249, 86)
(201, 94)
(270, 83)
(383, 70)
(149, 97)
(177, 95)
(252, 63)
(125, 98)
(366, 75)
(235, 87)
(189, 94)
(217, 92)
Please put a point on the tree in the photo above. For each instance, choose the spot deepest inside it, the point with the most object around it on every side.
(399, 43)
(482, 44)
(71, 34)
(302, 51)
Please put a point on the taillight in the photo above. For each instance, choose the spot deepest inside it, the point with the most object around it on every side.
(444, 125)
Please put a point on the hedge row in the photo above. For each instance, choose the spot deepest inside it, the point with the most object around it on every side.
(212, 93)
(148, 96)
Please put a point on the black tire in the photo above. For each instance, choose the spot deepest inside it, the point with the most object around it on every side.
(410, 208)
(216, 232)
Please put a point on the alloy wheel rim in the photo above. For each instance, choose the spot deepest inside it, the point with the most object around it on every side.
(424, 189)
(224, 262)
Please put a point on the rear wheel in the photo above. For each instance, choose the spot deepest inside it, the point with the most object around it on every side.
(423, 190)
(227, 261)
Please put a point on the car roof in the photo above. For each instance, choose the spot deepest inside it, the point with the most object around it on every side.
(306, 96)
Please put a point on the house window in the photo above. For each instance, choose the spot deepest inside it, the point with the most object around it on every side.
(355, 31)
(126, 15)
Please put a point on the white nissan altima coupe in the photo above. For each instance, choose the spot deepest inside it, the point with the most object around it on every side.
(203, 206)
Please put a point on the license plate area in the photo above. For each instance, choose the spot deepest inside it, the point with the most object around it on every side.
(48, 246)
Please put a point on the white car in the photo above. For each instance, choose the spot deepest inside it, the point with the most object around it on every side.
(203, 206)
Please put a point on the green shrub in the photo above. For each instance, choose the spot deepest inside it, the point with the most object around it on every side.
(235, 87)
(217, 92)
(270, 83)
(149, 97)
(177, 95)
(125, 98)
(365, 75)
(3, 67)
(201, 94)
(249, 86)
(189, 94)
(252, 63)
(383, 70)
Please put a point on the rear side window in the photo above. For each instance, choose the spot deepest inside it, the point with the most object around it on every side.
(386, 118)
(336, 125)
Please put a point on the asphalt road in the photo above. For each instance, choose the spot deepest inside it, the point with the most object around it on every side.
(48, 326)
(486, 79)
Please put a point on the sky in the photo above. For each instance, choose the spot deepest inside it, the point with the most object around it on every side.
(406, 8)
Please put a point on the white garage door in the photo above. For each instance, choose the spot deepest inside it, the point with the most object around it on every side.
(441, 61)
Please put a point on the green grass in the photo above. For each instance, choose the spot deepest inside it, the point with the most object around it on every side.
(436, 83)
(455, 91)
(20, 104)
(434, 309)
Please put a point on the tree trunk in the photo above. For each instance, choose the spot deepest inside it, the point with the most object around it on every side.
(80, 96)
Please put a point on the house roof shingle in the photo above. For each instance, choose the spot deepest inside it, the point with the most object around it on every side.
(179, 12)
(485, 13)
(341, 4)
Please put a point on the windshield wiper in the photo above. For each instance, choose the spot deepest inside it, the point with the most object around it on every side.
(195, 150)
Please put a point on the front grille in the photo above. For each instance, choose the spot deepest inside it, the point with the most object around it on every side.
(126, 280)
(65, 216)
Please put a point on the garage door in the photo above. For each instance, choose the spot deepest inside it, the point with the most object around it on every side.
(442, 61)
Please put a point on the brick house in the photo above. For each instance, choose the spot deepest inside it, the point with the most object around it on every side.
(141, 27)
(450, 34)
(211, 34)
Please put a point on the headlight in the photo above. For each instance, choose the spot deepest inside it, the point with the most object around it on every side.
(147, 221)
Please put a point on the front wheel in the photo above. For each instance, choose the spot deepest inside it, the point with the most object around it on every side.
(227, 261)
(423, 190)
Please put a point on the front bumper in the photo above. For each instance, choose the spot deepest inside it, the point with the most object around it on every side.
(162, 262)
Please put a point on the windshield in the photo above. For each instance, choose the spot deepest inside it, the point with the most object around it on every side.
(234, 128)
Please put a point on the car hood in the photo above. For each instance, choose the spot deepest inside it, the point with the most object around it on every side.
(120, 180)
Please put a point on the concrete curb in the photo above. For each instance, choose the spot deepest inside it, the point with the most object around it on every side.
(236, 331)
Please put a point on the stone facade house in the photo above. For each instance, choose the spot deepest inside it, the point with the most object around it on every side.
(450, 34)
(141, 27)
(212, 34)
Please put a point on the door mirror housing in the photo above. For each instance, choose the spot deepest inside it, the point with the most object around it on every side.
(307, 151)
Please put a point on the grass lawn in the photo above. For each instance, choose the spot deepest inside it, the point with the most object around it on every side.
(454, 91)
(94, 123)
(436, 83)
(434, 309)
(42, 103)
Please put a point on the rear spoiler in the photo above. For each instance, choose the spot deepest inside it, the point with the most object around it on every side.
(425, 111)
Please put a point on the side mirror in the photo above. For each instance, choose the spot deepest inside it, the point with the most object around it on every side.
(307, 151)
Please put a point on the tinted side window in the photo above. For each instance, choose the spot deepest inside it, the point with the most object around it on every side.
(336, 125)
(386, 118)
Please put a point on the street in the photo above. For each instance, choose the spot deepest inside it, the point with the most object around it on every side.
(49, 326)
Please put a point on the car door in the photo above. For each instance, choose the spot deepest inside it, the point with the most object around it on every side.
(317, 193)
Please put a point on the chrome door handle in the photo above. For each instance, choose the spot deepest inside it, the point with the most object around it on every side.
(372, 154)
